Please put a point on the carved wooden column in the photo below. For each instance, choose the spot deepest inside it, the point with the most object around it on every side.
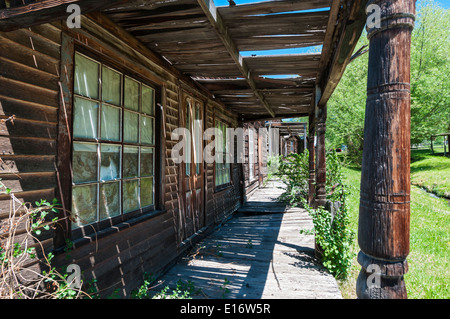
(312, 169)
(321, 195)
(384, 212)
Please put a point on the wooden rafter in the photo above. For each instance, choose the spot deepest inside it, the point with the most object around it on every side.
(329, 37)
(350, 28)
(203, 43)
(274, 6)
(47, 10)
(216, 21)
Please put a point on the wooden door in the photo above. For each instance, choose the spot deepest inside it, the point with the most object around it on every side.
(193, 186)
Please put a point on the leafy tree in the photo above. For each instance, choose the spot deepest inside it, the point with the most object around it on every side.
(430, 65)
(346, 108)
(430, 89)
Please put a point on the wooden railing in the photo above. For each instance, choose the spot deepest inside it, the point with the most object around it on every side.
(6, 4)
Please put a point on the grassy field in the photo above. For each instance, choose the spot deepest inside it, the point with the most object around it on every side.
(431, 172)
(429, 266)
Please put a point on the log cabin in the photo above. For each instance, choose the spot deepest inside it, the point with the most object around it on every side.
(96, 94)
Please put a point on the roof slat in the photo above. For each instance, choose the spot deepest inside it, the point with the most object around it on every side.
(274, 6)
(301, 64)
(206, 43)
(217, 22)
(280, 42)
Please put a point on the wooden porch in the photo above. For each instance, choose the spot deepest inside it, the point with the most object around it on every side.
(257, 254)
(190, 50)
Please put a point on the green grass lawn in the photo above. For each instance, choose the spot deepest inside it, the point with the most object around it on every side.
(431, 172)
(429, 268)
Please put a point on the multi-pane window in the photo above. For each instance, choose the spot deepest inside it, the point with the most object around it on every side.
(113, 143)
(223, 175)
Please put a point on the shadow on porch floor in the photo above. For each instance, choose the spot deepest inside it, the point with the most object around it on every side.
(258, 254)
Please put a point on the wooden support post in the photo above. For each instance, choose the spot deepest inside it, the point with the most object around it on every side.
(64, 163)
(312, 169)
(305, 140)
(384, 212)
(321, 174)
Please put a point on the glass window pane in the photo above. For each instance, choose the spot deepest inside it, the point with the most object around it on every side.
(188, 148)
(84, 163)
(131, 127)
(147, 191)
(251, 153)
(227, 178)
(86, 81)
(109, 200)
(224, 132)
(198, 139)
(84, 205)
(130, 162)
(147, 159)
(148, 100)
(110, 162)
(146, 130)
(85, 118)
(220, 175)
(111, 86)
(130, 196)
(216, 177)
(131, 94)
(111, 123)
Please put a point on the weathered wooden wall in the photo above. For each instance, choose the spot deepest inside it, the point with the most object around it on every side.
(29, 89)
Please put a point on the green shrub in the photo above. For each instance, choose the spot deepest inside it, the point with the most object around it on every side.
(20, 246)
(334, 238)
(293, 170)
(332, 231)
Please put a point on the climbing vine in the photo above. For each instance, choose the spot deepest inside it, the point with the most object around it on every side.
(333, 238)
(20, 246)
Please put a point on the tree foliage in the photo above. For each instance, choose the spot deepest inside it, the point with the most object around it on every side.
(430, 89)
(346, 108)
(430, 67)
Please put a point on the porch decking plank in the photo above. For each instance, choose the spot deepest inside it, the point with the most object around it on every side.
(257, 255)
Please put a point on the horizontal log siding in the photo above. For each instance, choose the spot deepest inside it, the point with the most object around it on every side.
(29, 91)
(117, 257)
(171, 120)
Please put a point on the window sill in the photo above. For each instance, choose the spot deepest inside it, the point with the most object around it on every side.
(81, 238)
(221, 188)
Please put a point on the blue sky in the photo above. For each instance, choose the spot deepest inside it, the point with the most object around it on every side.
(444, 3)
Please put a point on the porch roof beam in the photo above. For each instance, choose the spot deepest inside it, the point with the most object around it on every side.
(46, 11)
(334, 62)
(216, 21)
